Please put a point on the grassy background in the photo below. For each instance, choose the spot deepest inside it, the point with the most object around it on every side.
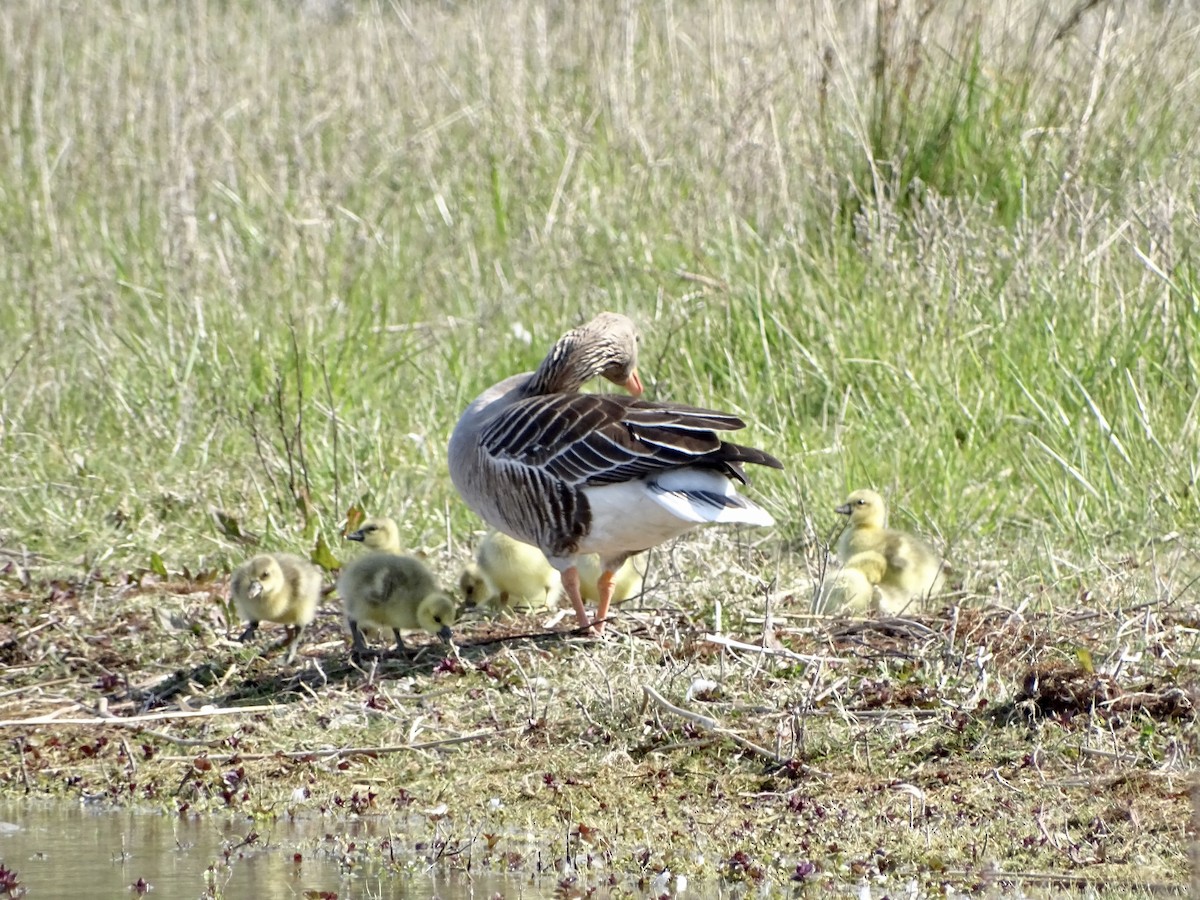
(259, 256)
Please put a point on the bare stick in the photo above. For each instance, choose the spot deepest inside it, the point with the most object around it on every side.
(344, 752)
(129, 756)
(754, 648)
(137, 720)
(707, 723)
(333, 423)
(24, 772)
(182, 742)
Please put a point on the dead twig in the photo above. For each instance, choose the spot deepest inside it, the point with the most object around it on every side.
(182, 742)
(707, 723)
(344, 752)
(723, 641)
(20, 743)
(136, 720)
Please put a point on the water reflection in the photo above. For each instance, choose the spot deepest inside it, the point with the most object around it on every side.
(68, 850)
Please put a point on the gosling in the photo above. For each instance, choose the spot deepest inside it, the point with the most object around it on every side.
(852, 589)
(277, 587)
(910, 568)
(855, 589)
(385, 589)
(379, 533)
(511, 575)
(627, 580)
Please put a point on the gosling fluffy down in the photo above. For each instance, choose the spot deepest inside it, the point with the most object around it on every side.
(910, 568)
(510, 575)
(855, 588)
(379, 533)
(397, 592)
(627, 580)
(277, 587)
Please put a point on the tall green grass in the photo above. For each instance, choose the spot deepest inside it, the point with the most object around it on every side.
(257, 260)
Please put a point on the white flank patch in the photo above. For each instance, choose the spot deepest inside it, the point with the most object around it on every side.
(635, 515)
(699, 495)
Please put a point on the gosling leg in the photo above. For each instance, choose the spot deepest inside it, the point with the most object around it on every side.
(359, 650)
(293, 642)
(249, 632)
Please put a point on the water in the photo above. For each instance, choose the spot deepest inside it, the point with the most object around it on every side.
(67, 850)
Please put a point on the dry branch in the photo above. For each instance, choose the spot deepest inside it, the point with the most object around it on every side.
(344, 752)
(136, 720)
(707, 723)
(723, 641)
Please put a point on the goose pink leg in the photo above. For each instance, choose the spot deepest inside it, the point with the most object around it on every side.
(605, 586)
(570, 582)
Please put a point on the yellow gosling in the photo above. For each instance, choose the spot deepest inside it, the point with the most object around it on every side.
(847, 592)
(911, 569)
(386, 590)
(474, 586)
(379, 533)
(511, 575)
(627, 580)
(277, 587)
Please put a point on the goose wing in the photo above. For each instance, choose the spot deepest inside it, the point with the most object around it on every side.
(596, 439)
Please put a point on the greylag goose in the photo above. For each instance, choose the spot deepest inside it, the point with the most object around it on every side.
(889, 558)
(277, 587)
(575, 473)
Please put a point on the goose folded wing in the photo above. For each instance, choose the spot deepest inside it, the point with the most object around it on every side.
(595, 439)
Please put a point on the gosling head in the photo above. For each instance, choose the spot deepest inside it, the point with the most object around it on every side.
(266, 577)
(378, 533)
(436, 614)
(865, 508)
(473, 584)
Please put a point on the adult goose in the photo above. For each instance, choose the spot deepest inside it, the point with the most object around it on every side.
(575, 473)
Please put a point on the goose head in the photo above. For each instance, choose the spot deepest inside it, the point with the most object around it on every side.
(605, 346)
(266, 577)
(436, 614)
(378, 533)
(865, 508)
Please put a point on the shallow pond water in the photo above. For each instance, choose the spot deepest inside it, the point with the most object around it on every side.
(72, 850)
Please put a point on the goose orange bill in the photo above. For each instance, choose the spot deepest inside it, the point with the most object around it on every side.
(633, 384)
